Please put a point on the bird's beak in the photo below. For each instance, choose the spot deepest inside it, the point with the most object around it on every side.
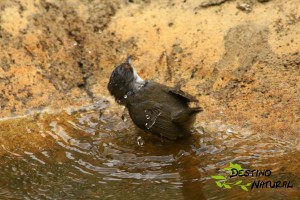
(135, 74)
(129, 60)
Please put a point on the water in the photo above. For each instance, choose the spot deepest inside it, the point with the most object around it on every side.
(91, 153)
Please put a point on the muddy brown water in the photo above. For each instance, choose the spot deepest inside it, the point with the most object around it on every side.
(96, 153)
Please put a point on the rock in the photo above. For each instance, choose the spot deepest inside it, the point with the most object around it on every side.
(55, 54)
(212, 3)
(244, 7)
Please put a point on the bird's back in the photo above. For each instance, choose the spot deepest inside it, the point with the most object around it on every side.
(162, 110)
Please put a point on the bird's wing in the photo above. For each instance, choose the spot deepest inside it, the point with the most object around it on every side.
(153, 117)
(179, 93)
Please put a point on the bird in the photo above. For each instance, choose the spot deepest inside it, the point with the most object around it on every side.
(153, 107)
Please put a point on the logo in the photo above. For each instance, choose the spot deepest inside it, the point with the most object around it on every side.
(235, 170)
(224, 181)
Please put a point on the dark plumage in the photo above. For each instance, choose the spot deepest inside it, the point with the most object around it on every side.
(153, 107)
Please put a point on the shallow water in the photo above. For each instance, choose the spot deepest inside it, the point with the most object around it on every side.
(97, 153)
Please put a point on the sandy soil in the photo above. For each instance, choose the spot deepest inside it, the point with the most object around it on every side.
(240, 58)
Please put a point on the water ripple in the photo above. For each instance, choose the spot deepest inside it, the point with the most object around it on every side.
(96, 151)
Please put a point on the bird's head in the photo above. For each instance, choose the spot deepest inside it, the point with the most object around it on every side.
(124, 79)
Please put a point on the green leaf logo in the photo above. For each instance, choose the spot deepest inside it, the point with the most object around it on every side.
(244, 188)
(219, 184)
(219, 177)
(223, 181)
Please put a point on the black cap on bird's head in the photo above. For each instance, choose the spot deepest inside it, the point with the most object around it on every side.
(123, 80)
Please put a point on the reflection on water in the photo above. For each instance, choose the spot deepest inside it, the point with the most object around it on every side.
(94, 153)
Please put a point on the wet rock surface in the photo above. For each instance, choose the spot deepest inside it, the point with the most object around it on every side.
(244, 67)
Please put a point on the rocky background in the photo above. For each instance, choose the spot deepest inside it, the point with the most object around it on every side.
(240, 58)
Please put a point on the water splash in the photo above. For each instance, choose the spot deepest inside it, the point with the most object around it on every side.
(140, 141)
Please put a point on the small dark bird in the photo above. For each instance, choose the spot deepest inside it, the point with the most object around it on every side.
(152, 106)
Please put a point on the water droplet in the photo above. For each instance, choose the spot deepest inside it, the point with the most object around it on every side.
(145, 110)
(124, 118)
(149, 125)
(125, 96)
(147, 116)
(140, 141)
(75, 43)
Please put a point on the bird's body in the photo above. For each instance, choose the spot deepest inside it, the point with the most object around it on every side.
(152, 106)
